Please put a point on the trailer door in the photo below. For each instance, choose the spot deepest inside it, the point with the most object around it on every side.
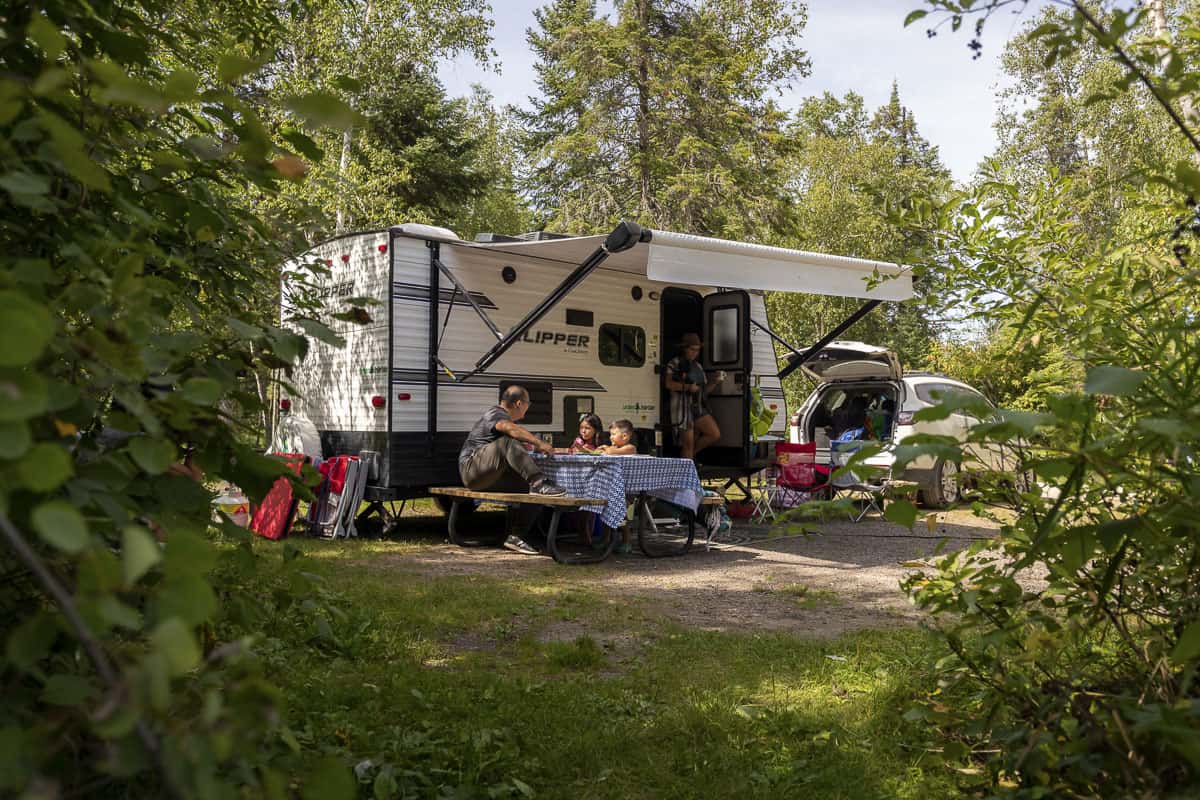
(727, 347)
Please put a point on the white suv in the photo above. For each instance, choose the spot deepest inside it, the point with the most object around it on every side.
(862, 386)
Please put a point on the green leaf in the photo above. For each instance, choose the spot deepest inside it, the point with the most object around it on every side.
(60, 524)
(242, 329)
(329, 779)
(139, 552)
(15, 439)
(901, 512)
(232, 66)
(114, 612)
(174, 641)
(44, 468)
(31, 641)
(16, 757)
(67, 690)
(152, 455)
(1116, 381)
(322, 109)
(180, 85)
(25, 183)
(1188, 647)
(47, 36)
(303, 144)
(319, 330)
(914, 15)
(23, 395)
(188, 597)
(26, 327)
(1171, 428)
(202, 391)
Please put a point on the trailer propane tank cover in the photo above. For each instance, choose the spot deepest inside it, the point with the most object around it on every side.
(625, 236)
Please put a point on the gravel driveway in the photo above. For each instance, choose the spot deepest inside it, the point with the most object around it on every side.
(841, 578)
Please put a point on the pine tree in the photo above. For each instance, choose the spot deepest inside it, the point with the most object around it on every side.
(661, 114)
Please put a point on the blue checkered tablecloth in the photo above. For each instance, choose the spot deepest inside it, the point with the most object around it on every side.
(672, 479)
(589, 476)
(615, 477)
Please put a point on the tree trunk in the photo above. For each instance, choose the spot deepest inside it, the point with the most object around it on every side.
(643, 118)
(1158, 21)
(347, 136)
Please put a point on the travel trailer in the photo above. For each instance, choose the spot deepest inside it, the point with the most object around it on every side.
(585, 323)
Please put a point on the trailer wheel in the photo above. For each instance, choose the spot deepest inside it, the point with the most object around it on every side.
(443, 503)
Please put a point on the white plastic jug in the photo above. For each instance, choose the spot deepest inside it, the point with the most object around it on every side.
(235, 505)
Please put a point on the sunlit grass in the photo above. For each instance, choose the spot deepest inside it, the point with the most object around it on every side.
(491, 681)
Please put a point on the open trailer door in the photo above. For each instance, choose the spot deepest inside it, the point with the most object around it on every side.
(726, 337)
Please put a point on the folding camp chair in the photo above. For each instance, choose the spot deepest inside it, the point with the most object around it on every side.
(849, 484)
(792, 478)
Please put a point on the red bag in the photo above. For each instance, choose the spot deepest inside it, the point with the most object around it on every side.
(272, 519)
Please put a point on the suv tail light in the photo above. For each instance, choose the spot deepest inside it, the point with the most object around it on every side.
(904, 418)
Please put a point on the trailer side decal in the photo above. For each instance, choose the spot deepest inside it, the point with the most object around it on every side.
(572, 383)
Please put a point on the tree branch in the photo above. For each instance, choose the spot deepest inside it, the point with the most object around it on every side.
(95, 651)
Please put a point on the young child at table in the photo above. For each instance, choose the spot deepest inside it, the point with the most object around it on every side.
(620, 433)
(588, 440)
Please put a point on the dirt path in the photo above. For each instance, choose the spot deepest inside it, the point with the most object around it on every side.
(843, 578)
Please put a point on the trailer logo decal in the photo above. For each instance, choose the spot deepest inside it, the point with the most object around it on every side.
(571, 342)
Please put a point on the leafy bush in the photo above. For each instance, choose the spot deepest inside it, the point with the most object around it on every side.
(130, 346)
(1083, 686)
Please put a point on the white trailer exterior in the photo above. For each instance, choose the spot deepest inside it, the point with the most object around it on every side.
(408, 384)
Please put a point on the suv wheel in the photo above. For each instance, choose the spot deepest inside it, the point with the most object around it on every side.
(944, 490)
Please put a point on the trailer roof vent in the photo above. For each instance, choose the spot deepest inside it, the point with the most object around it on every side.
(541, 236)
(495, 238)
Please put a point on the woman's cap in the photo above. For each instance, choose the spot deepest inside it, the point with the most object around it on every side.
(690, 340)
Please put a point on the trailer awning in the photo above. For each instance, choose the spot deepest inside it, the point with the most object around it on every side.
(701, 261)
(673, 257)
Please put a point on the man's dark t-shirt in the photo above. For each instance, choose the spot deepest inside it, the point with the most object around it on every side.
(484, 432)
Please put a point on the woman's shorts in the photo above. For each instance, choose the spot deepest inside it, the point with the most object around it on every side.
(698, 411)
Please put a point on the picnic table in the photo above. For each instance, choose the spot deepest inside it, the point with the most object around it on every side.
(640, 478)
(602, 485)
(509, 500)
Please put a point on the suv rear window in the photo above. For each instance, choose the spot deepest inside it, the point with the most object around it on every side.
(926, 392)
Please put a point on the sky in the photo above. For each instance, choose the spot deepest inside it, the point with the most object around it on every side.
(854, 45)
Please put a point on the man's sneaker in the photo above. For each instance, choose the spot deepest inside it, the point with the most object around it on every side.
(519, 545)
(547, 488)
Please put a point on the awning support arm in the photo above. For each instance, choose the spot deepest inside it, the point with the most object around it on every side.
(796, 362)
(475, 305)
(791, 348)
(623, 237)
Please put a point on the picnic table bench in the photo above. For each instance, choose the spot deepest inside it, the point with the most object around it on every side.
(557, 505)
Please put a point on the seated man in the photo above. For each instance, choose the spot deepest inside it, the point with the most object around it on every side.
(492, 458)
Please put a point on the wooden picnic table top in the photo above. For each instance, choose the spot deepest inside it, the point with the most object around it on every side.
(521, 498)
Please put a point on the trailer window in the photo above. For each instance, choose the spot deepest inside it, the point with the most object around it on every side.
(724, 322)
(622, 345)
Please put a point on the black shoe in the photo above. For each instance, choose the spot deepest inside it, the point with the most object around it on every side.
(519, 545)
(547, 488)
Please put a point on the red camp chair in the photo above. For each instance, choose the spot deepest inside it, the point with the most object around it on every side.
(797, 475)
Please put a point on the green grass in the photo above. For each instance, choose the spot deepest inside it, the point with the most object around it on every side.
(488, 687)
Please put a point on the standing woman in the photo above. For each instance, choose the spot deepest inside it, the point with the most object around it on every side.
(688, 384)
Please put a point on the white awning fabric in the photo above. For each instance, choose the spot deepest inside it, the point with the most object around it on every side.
(682, 257)
(701, 261)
